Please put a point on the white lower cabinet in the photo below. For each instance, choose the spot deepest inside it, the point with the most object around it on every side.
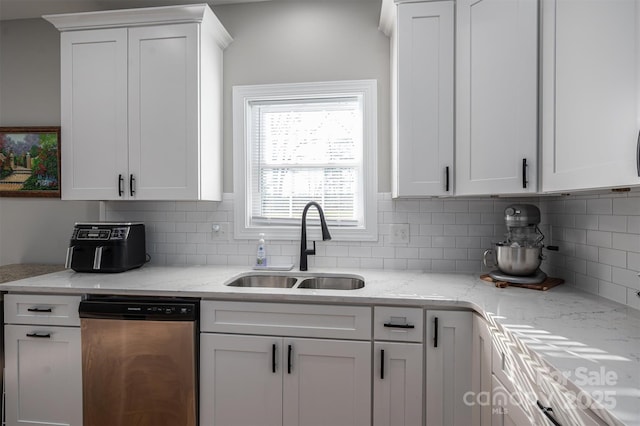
(448, 367)
(481, 376)
(43, 368)
(252, 380)
(397, 384)
(398, 373)
(506, 412)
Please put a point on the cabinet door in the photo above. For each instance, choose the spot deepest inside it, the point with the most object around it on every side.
(497, 96)
(327, 382)
(448, 368)
(43, 375)
(590, 57)
(397, 384)
(163, 119)
(506, 411)
(94, 113)
(481, 380)
(423, 141)
(240, 381)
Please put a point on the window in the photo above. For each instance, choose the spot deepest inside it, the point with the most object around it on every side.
(295, 143)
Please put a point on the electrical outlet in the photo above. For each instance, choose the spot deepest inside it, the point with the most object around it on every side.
(220, 231)
(399, 233)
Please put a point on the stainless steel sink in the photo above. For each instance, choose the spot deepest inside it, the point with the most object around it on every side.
(272, 281)
(327, 282)
(332, 283)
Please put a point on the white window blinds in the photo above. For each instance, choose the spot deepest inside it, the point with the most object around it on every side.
(302, 150)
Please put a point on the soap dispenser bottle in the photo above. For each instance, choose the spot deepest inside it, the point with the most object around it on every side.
(261, 252)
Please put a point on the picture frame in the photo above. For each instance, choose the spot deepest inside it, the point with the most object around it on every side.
(30, 161)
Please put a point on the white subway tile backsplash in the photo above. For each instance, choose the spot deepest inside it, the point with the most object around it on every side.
(633, 261)
(443, 218)
(586, 221)
(456, 206)
(612, 257)
(599, 270)
(612, 223)
(626, 206)
(626, 278)
(628, 242)
(598, 236)
(611, 291)
(600, 206)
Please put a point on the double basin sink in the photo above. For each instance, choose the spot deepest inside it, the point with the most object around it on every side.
(324, 282)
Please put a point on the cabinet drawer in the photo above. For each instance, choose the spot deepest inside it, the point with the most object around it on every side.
(398, 324)
(282, 319)
(41, 309)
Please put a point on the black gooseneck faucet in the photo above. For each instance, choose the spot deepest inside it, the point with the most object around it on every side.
(303, 237)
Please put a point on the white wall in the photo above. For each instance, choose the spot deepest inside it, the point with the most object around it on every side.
(33, 230)
(303, 41)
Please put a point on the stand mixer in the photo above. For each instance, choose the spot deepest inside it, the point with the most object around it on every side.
(518, 258)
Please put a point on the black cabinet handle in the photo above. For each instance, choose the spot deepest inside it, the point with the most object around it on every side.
(390, 325)
(120, 184)
(40, 335)
(382, 364)
(273, 358)
(435, 332)
(548, 412)
(39, 310)
(132, 182)
(524, 173)
(446, 179)
(289, 351)
(638, 155)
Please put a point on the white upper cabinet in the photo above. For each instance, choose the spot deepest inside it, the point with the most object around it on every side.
(496, 96)
(141, 108)
(422, 97)
(590, 89)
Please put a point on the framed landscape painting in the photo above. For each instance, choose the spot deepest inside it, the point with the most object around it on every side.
(30, 162)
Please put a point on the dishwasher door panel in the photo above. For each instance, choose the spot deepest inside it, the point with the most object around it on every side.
(139, 373)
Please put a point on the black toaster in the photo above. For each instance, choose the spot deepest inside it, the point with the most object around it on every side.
(106, 247)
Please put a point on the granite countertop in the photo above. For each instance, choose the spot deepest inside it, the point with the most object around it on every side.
(19, 271)
(594, 341)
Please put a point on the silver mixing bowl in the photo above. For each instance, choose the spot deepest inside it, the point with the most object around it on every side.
(518, 261)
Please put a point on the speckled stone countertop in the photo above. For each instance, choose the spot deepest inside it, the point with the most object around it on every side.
(19, 271)
(569, 330)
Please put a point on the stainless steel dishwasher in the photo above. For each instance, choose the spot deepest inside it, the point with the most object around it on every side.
(139, 361)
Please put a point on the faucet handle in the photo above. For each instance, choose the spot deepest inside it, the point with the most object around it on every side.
(311, 251)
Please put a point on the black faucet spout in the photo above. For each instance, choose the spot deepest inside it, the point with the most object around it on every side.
(304, 251)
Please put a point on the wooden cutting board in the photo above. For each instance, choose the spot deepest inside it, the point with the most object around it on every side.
(543, 286)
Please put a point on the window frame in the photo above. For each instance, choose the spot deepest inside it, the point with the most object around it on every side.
(244, 95)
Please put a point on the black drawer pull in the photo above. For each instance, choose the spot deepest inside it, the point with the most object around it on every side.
(42, 310)
(446, 184)
(435, 332)
(273, 358)
(638, 155)
(40, 335)
(391, 325)
(120, 184)
(132, 182)
(548, 412)
(382, 364)
(289, 353)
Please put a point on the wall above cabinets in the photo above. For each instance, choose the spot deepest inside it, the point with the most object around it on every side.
(141, 96)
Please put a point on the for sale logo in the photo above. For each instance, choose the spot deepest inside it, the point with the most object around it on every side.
(581, 377)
